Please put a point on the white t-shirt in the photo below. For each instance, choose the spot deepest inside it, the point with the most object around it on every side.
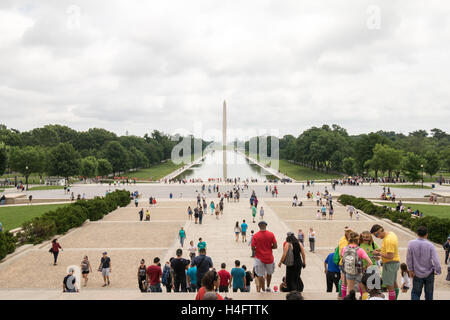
(406, 280)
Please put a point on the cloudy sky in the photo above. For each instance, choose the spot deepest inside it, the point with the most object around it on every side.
(285, 64)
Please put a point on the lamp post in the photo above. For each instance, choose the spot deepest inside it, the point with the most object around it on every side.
(421, 166)
(26, 173)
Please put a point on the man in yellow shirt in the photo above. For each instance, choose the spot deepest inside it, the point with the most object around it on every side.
(390, 258)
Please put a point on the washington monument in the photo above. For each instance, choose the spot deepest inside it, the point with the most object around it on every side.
(224, 139)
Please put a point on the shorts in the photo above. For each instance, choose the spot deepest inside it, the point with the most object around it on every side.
(356, 277)
(389, 274)
(105, 272)
(244, 233)
(261, 269)
(85, 272)
(237, 233)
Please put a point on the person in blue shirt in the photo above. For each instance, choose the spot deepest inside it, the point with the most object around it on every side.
(333, 274)
(191, 275)
(238, 278)
(244, 228)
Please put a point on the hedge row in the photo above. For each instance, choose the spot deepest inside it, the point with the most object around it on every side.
(438, 228)
(63, 219)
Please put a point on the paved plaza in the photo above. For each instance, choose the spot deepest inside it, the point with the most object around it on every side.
(31, 274)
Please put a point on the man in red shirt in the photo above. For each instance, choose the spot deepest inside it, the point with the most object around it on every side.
(154, 274)
(263, 242)
(224, 276)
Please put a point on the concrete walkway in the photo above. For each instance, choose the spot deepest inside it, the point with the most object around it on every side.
(127, 241)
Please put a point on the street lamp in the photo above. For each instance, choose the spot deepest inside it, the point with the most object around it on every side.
(26, 172)
(422, 174)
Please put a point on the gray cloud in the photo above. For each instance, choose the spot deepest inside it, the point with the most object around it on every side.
(287, 64)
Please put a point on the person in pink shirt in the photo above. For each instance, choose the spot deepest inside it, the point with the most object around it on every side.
(352, 263)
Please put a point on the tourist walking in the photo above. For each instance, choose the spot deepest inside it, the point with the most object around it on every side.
(154, 274)
(263, 243)
(191, 278)
(212, 207)
(330, 212)
(55, 250)
(141, 275)
(253, 212)
(237, 230)
(390, 257)
(225, 277)
(179, 266)
(350, 210)
(332, 272)
(294, 259)
(182, 236)
(106, 268)
(244, 227)
(446, 247)
(200, 215)
(167, 277)
(189, 211)
(248, 279)
(238, 280)
(252, 233)
(423, 263)
(141, 214)
(196, 215)
(201, 244)
(261, 213)
(203, 263)
(301, 237)
(192, 250)
(85, 269)
(312, 240)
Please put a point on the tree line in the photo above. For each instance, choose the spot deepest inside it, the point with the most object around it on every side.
(332, 149)
(57, 150)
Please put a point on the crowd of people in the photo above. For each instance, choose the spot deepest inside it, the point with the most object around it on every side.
(358, 266)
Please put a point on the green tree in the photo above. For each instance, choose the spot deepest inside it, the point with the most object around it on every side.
(3, 158)
(104, 168)
(445, 157)
(348, 165)
(431, 165)
(63, 161)
(88, 167)
(117, 155)
(411, 166)
(388, 158)
(26, 161)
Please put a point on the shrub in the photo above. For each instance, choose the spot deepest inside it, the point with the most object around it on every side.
(63, 219)
(7, 244)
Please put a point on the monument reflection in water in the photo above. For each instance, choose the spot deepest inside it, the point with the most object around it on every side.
(220, 164)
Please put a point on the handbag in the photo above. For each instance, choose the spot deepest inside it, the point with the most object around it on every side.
(289, 259)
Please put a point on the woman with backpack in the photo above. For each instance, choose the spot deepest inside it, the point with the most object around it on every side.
(141, 274)
(352, 263)
(294, 259)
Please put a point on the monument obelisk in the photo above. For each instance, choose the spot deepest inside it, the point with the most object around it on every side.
(224, 139)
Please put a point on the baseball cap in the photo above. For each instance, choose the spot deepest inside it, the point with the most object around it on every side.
(262, 222)
(290, 234)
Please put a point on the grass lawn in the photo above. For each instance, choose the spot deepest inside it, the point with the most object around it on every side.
(155, 172)
(427, 209)
(14, 217)
(298, 172)
(406, 186)
(46, 188)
